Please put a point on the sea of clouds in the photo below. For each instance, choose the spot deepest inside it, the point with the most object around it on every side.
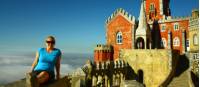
(14, 67)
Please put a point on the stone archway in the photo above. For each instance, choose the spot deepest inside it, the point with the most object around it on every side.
(140, 76)
(140, 43)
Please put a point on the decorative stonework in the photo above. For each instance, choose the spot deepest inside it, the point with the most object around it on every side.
(109, 73)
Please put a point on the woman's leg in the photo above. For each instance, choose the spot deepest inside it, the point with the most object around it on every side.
(43, 77)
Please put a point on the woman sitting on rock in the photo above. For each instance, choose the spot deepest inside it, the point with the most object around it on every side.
(42, 70)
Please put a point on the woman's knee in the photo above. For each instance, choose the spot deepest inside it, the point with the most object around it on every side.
(43, 77)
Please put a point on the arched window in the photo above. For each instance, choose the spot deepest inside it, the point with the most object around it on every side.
(119, 38)
(176, 41)
(163, 42)
(163, 27)
(176, 26)
(152, 7)
(195, 39)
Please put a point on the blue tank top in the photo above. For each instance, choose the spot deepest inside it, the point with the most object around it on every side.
(47, 60)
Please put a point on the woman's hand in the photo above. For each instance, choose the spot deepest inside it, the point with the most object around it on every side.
(57, 76)
(58, 68)
(34, 62)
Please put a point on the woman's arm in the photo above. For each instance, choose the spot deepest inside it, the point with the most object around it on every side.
(58, 68)
(35, 61)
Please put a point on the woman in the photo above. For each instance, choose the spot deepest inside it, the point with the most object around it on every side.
(43, 66)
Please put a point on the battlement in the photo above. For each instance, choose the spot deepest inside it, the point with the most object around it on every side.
(173, 19)
(110, 64)
(122, 12)
(194, 10)
(102, 47)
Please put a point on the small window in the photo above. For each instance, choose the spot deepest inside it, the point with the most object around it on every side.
(119, 38)
(163, 27)
(176, 26)
(176, 41)
(195, 56)
(152, 8)
(187, 43)
(195, 39)
(163, 43)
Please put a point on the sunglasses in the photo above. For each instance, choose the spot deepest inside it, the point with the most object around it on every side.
(53, 42)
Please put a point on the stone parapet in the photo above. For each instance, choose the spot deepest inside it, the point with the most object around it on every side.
(173, 19)
(109, 73)
(108, 64)
(101, 47)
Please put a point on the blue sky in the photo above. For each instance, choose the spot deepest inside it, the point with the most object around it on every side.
(78, 25)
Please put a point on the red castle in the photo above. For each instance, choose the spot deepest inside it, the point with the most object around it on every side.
(163, 31)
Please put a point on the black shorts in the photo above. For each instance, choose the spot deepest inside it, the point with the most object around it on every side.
(51, 75)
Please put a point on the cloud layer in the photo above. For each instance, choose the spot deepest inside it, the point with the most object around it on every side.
(14, 67)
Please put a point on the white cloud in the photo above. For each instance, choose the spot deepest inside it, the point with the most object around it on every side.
(14, 67)
(12, 73)
(66, 69)
(7, 60)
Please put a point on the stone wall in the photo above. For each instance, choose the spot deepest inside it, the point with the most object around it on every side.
(194, 32)
(152, 66)
(194, 62)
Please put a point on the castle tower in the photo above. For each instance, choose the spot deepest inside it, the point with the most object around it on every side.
(103, 53)
(157, 9)
(143, 34)
(120, 27)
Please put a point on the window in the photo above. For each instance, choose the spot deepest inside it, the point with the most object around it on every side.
(163, 27)
(176, 26)
(163, 42)
(119, 38)
(195, 56)
(176, 41)
(151, 7)
(187, 43)
(195, 39)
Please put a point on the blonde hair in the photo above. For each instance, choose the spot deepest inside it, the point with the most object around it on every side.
(52, 38)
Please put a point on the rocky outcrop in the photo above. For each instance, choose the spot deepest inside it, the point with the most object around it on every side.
(63, 82)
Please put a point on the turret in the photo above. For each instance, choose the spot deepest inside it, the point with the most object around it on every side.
(143, 34)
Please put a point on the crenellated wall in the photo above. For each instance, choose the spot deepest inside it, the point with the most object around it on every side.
(122, 12)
